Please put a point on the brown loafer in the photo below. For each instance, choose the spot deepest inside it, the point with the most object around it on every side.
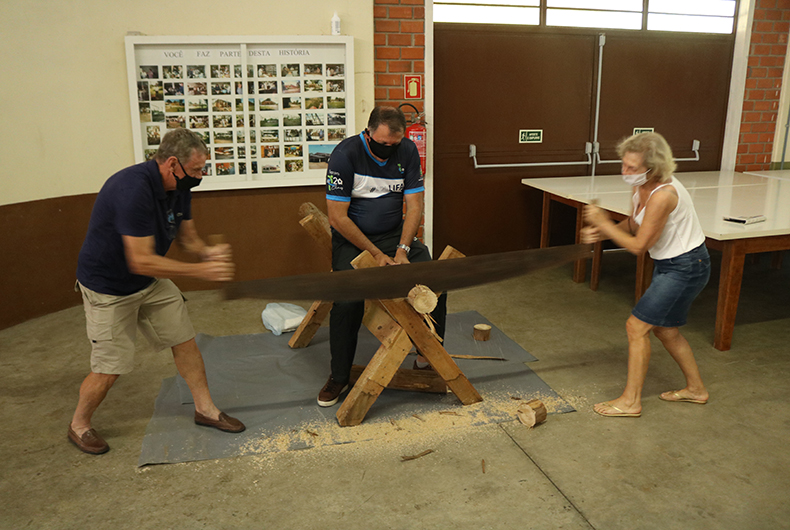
(90, 442)
(224, 423)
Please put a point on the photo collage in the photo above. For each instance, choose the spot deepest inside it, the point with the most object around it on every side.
(293, 111)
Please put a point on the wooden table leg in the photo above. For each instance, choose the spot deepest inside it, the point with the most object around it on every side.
(732, 260)
(545, 221)
(595, 273)
(644, 273)
(580, 266)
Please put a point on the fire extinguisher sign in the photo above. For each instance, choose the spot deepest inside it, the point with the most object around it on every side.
(412, 86)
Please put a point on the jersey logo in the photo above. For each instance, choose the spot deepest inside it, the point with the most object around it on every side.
(368, 187)
(333, 181)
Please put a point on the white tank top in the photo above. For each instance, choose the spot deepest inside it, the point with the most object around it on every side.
(682, 231)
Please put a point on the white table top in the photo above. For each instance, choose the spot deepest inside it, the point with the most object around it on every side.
(783, 174)
(716, 194)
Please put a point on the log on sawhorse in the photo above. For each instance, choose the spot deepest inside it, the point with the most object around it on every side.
(396, 342)
(398, 327)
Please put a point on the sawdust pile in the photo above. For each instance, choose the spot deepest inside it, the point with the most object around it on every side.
(404, 430)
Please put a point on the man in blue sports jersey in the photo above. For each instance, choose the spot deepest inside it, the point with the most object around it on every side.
(369, 177)
(123, 275)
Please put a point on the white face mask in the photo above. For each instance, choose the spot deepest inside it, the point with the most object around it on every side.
(636, 180)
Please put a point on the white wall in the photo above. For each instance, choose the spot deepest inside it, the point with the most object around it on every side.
(65, 103)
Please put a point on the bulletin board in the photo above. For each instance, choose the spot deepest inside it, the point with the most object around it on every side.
(270, 109)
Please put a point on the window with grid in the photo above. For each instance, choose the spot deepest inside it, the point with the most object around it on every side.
(524, 12)
(697, 16)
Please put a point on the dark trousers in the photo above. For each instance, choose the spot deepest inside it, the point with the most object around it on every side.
(346, 317)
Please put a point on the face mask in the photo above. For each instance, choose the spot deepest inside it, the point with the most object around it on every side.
(380, 150)
(187, 183)
(636, 180)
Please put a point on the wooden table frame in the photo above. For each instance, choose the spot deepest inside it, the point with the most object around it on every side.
(733, 253)
(644, 265)
(730, 277)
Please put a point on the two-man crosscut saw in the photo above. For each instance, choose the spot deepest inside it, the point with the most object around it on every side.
(396, 281)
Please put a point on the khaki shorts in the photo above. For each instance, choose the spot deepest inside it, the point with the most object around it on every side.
(112, 321)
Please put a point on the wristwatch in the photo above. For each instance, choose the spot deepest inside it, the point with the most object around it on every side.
(405, 247)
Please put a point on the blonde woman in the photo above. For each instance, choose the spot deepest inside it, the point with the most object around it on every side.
(663, 222)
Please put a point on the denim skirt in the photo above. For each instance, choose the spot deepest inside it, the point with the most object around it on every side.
(676, 283)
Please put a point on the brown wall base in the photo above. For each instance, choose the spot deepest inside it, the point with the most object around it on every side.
(40, 242)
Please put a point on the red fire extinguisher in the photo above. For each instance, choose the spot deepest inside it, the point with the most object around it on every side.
(418, 133)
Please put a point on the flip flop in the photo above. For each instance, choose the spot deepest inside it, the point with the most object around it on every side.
(678, 398)
(619, 414)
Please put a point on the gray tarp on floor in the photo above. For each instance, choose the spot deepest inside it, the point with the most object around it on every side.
(270, 387)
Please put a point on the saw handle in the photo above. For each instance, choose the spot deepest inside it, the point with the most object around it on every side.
(216, 249)
(590, 233)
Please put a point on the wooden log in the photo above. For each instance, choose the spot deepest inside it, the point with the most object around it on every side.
(319, 230)
(405, 379)
(422, 299)
(308, 208)
(532, 413)
(482, 332)
(310, 323)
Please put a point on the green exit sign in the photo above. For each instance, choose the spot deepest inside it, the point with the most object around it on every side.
(530, 136)
(640, 130)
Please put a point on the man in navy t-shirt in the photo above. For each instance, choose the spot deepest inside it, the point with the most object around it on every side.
(123, 275)
(369, 177)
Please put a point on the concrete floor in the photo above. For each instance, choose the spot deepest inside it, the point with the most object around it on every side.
(724, 465)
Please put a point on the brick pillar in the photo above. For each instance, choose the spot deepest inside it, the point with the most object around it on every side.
(767, 51)
(399, 45)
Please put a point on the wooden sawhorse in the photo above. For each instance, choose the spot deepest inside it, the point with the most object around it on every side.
(398, 327)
